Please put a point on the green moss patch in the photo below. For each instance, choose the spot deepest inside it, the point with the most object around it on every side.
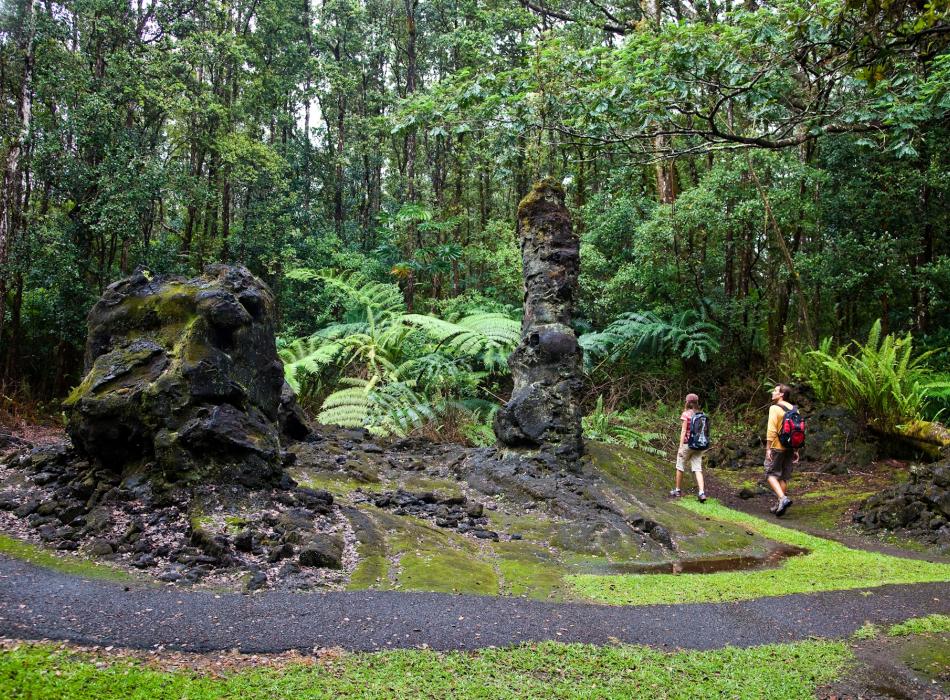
(549, 670)
(531, 571)
(373, 568)
(76, 566)
(638, 483)
(929, 656)
(829, 566)
(444, 488)
(419, 557)
(339, 484)
(921, 625)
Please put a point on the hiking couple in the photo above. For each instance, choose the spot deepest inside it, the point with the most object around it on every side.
(784, 435)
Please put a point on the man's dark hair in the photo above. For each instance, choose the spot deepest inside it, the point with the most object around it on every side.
(786, 391)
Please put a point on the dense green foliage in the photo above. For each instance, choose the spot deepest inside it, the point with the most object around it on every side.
(548, 670)
(391, 371)
(744, 175)
(882, 381)
(615, 427)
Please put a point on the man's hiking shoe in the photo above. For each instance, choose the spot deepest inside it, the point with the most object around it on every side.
(783, 506)
(702, 497)
(676, 493)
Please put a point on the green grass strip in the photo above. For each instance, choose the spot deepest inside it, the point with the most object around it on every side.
(830, 566)
(548, 670)
(27, 551)
(920, 625)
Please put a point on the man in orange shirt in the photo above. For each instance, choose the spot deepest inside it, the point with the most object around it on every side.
(778, 460)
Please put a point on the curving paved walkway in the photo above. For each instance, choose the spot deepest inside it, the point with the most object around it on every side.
(37, 603)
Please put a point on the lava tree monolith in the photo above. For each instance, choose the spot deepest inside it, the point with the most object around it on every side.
(543, 416)
(183, 379)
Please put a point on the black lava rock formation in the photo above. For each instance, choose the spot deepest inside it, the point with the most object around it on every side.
(183, 381)
(543, 416)
(920, 507)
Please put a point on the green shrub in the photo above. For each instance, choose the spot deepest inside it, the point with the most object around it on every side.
(881, 381)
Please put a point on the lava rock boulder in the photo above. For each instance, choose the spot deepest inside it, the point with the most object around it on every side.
(183, 380)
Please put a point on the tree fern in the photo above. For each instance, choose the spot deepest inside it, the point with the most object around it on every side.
(384, 299)
(383, 409)
(307, 358)
(349, 407)
(687, 335)
(488, 336)
(396, 359)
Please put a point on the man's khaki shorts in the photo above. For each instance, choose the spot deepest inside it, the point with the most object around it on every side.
(780, 466)
(686, 456)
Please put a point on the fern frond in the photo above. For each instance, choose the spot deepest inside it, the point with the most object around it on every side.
(617, 428)
(471, 336)
(635, 333)
(881, 380)
(384, 298)
(308, 357)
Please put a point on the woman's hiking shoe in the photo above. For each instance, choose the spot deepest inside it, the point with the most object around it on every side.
(702, 497)
(676, 493)
(783, 506)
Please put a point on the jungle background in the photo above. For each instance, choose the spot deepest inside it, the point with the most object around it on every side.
(761, 190)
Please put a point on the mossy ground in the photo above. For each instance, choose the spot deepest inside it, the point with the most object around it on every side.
(559, 559)
(823, 502)
(828, 566)
(929, 656)
(550, 670)
(400, 552)
(918, 648)
(67, 563)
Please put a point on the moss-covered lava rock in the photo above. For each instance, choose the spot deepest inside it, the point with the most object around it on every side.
(182, 378)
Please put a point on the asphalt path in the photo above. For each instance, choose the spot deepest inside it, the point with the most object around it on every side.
(38, 603)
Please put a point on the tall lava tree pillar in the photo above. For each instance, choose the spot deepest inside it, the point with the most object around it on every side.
(543, 416)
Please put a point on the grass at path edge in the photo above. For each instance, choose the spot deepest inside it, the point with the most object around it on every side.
(549, 670)
(67, 564)
(829, 566)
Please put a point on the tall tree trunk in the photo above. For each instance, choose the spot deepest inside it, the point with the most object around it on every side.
(225, 217)
(338, 172)
(925, 256)
(414, 243)
(12, 209)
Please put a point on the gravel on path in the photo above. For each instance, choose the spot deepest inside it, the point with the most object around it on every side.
(38, 603)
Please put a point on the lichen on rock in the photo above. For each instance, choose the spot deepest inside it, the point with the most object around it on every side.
(183, 378)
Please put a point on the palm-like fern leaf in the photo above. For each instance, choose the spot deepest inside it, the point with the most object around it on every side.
(477, 335)
(633, 333)
(308, 357)
(383, 298)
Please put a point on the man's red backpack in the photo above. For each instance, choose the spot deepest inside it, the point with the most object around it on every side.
(792, 433)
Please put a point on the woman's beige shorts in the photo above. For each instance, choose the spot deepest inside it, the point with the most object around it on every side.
(686, 456)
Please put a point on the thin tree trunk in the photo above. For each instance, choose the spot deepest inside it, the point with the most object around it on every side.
(794, 278)
(11, 209)
(414, 243)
